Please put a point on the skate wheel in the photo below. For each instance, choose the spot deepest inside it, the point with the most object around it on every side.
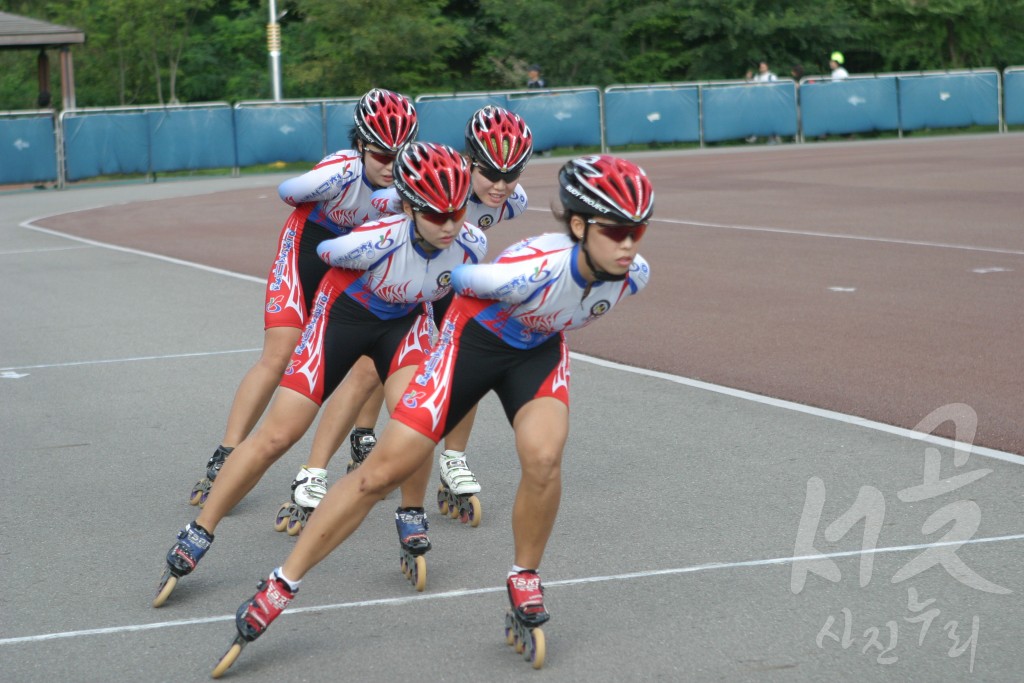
(294, 524)
(536, 649)
(166, 587)
(510, 629)
(518, 644)
(419, 573)
(442, 500)
(405, 568)
(227, 660)
(471, 512)
(196, 495)
(281, 521)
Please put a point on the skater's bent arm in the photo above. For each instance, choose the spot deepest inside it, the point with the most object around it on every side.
(325, 181)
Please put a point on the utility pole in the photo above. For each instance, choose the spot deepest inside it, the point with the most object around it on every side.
(274, 48)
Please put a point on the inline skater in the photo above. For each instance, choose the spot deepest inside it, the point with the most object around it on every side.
(504, 331)
(368, 304)
(329, 200)
(499, 144)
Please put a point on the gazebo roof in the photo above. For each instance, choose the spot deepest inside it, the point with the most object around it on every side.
(18, 32)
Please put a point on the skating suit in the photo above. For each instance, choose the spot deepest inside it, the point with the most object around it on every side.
(477, 213)
(504, 331)
(371, 302)
(329, 200)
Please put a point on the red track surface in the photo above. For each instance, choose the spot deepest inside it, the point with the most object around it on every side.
(882, 280)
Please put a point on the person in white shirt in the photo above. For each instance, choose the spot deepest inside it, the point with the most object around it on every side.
(835, 63)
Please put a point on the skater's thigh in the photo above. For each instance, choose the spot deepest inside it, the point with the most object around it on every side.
(289, 417)
(542, 428)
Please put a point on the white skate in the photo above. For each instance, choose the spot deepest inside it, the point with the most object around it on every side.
(310, 486)
(456, 474)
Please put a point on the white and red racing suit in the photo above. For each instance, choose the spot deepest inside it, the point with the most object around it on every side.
(504, 331)
(329, 200)
(370, 303)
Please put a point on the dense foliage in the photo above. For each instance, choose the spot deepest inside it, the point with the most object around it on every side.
(160, 51)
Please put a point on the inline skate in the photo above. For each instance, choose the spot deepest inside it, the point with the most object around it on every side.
(412, 534)
(456, 494)
(202, 488)
(361, 441)
(308, 489)
(527, 614)
(254, 616)
(193, 542)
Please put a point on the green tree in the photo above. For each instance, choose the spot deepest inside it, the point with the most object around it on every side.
(948, 34)
(345, 48)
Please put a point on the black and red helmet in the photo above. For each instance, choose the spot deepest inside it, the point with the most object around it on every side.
(385, 119)
(499, 140)
(432, 177)
(604, 185)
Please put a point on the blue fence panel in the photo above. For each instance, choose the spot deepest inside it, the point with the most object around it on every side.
(949, 100)
(105, 144)
(561, 119)
(854, 105)
(1013, 97)
(339, 124)
(28, 149)
(266, 134)
(738, 111)
(639, 116)
(191, 139)
(444, 119)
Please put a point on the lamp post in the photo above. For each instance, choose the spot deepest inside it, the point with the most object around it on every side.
(274, 48)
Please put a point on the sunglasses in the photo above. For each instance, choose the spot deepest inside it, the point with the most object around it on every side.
(442, 218)
(383, 158)
(497, 176)
(619, 233)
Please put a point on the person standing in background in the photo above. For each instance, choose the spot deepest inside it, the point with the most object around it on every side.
(533, 77)
(835, 62)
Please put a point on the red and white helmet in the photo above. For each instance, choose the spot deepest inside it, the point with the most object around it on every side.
(603, 185)
(432, 177)
(386, 119)
(499, 140)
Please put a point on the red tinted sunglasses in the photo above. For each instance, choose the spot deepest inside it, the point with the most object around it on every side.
(383, 158)
(496, 176)
(442, 218)
(619, 233)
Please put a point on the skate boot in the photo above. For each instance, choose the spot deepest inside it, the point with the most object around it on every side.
(527, 614)
(202, 488)
(412, 534)
(254, 616)
(456, 494)
(308, 489)
(193, 542)
(362, 441)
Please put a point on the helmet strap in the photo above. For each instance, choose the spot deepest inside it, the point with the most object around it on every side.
(601, 275)
(420, 240)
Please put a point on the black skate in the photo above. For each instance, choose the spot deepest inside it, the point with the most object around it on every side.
(202, 488)
(361, 442)
(412, 534)
(193, 542)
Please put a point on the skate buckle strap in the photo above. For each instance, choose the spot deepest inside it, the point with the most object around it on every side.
(277, 597)
(195, 538)
(526, 583)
